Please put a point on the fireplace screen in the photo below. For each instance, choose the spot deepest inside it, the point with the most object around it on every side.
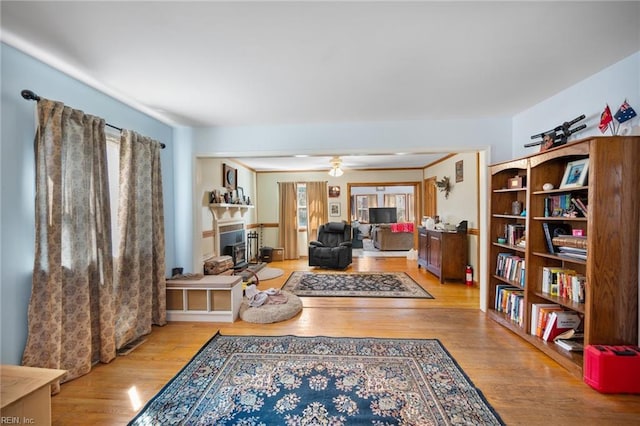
(238, 253)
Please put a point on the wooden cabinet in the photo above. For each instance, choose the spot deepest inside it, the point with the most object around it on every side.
(611, 227)
(443, 253)
(26, 394)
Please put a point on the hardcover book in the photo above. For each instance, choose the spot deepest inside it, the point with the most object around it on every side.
(552, 230)
(559, 322)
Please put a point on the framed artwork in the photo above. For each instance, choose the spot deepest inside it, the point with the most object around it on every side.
(459, 171)
(334, 209)
(229, 177)
(334, 191)
(575, 175)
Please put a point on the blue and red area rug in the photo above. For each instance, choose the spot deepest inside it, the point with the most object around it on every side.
(288, 380)
(355, 284)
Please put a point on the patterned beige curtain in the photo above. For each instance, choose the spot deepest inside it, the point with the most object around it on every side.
(317, 207)
(288, 219)
(140, 277)
(71, 311)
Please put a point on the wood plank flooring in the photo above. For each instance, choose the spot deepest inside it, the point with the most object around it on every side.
(522, 384)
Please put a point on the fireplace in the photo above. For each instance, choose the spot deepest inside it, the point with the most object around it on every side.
(238, 253)
(232, 243)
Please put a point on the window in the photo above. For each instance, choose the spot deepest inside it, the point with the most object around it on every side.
(113, 167)
(403, 203)
(302, 205)
(363, 202)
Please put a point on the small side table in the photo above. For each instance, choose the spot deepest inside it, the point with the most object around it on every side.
(25, 394)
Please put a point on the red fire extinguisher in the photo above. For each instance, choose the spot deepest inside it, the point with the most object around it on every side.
(468, 275)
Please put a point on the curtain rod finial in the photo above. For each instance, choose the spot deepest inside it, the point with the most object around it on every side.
(29, 95)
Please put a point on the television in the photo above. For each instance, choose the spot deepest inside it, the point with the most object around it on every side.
(382, 215)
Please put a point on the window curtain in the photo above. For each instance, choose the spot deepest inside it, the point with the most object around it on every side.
(317, 208)
(140, 277)
(288, 219)
(71, 314)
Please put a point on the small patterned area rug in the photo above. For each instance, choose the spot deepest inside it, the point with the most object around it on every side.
(288, 380)
(355, 284)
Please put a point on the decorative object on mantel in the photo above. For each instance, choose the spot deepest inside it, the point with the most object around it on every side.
(229, 177)
(229, 196)
(624, 114)
(444, 185)
(551, 138)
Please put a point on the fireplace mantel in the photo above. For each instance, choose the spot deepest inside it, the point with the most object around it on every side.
(225, 215)
(224, 212)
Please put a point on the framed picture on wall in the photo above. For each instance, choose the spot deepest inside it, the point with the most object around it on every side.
(229, 177)
(334, 209)
(459, 171)
(334, 191)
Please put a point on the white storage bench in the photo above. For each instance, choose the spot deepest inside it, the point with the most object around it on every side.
(213, 298)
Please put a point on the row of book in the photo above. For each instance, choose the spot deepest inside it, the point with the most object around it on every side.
(511, 267)
(557, 205)
(510, 301)
(514, 233)
(565, 205)
(571, 241)
(564, 282)
(572, 252)
(551, 322)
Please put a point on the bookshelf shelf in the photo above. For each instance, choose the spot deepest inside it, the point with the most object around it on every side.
(567, 303)
(560, 219)
(506, 281)
(612, 225)
(560, 258)
(509, 247)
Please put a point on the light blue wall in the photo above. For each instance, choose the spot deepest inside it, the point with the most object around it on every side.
(20, 71)
(610, 86)
(184, 199)
(346, 138)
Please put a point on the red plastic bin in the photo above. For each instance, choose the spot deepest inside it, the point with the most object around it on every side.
(612, 369)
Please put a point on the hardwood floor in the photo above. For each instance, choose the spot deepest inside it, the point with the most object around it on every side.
(522, 384)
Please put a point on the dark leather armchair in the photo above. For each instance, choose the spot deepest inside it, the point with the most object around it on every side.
(332, 249)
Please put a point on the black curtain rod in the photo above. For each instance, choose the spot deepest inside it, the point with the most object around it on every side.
(30, 96)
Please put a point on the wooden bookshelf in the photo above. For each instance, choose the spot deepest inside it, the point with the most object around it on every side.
(611, 227)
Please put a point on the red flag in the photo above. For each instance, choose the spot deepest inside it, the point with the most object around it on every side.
(605, 119)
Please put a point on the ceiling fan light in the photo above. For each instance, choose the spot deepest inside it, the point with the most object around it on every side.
(336, 163)
(335, 171)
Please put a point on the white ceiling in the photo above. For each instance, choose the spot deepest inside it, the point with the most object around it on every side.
(234, 63)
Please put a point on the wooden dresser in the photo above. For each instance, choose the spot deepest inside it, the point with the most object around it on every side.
(443, 253)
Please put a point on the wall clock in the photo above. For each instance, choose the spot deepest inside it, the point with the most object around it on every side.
(229, 177)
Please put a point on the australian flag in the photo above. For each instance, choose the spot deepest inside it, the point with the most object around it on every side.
(625, 113)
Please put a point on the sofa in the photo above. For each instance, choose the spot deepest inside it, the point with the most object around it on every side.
(392, 236)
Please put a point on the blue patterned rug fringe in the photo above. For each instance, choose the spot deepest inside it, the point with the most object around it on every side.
(289, 380)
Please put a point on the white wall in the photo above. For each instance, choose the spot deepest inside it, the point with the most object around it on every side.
(463, 202)
(267, 193)
(208, 177)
